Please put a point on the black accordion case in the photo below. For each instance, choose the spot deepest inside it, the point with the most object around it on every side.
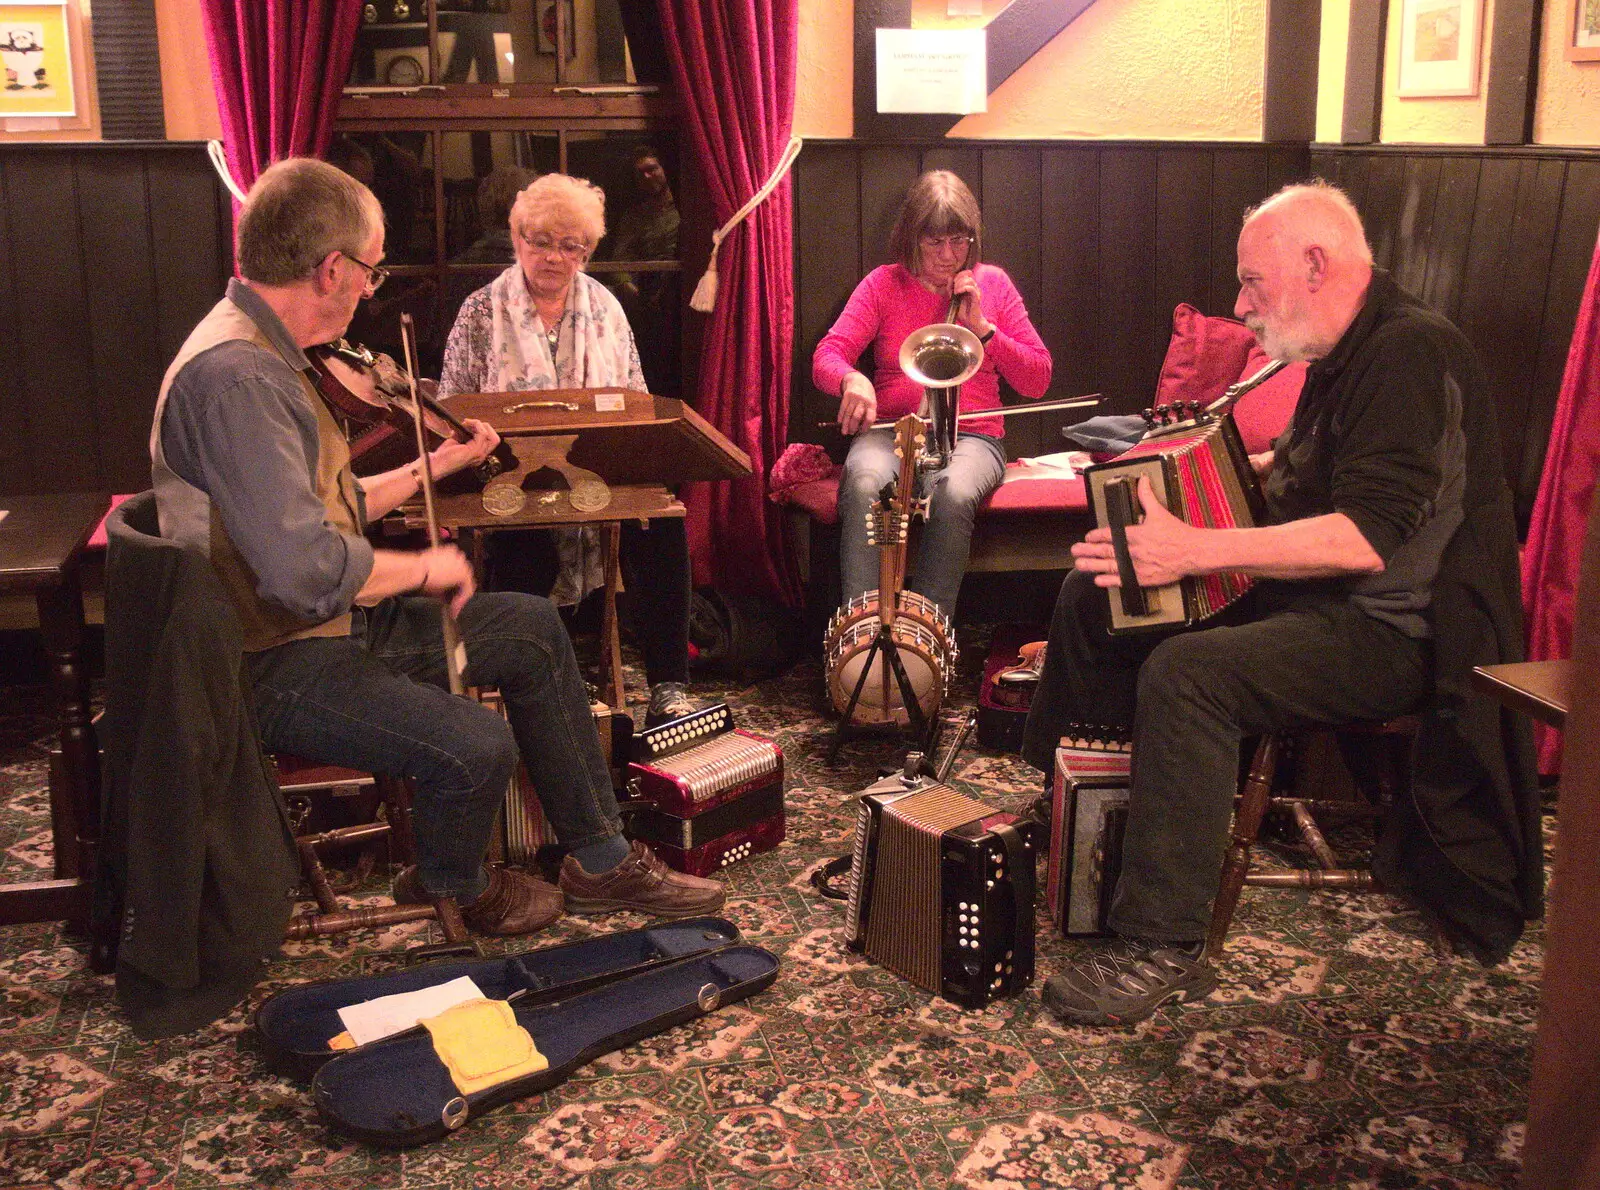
(1088, 813)
(398, 1092)
(941, 890)
(705, 794)
(296, 1025)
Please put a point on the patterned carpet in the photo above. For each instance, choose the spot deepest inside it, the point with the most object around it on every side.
(1340, 1050)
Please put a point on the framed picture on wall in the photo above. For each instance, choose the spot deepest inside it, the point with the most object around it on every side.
(1584, 45)
(1439, 47)
(36, 52)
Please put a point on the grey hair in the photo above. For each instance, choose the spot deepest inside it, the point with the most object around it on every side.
(299, 210)
(1323, 205)
(562, 199)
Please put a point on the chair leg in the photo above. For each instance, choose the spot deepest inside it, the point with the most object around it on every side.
(396, 794)
(1246, 827)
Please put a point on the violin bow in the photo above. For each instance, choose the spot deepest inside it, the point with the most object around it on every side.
(455, 652)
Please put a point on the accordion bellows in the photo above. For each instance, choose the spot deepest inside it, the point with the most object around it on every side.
(941, 891)
(1201, 473)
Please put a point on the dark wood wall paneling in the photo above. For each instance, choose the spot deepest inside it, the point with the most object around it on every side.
(110, 254)
(1500, 241)
(1102, 238)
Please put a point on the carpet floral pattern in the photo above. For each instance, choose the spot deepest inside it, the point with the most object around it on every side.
(1342, 1049)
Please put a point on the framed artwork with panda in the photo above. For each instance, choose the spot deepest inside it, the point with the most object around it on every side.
(36, 53)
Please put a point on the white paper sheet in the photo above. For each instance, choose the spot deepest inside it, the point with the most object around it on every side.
(933, 70)
(372, 1019)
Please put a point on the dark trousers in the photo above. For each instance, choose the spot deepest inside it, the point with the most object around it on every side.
(376, 701)
(655, 571)
(1285, 659)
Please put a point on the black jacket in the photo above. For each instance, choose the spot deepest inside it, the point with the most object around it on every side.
(200, 859)
(1465, 843)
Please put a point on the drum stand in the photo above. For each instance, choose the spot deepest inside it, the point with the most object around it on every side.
(926, 727)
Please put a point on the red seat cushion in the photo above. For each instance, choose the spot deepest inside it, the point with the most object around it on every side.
(1018, 492)
(97, 539)
(1204, 356)
(1264, 412)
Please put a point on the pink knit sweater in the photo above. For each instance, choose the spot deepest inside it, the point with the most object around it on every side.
(890, 303)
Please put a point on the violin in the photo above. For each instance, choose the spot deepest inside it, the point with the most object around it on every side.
(370, 396)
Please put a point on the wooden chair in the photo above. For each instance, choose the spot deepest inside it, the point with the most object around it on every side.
(1380, 780)
(299, 779)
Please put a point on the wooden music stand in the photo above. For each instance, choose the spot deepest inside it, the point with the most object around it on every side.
(588, 456)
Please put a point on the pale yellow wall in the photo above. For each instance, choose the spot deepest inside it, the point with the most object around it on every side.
(1136, 69)
(824, 101)
(1332, 61)
(186, 93)
(1569, 92)
(1447, 121)
(1167, 69)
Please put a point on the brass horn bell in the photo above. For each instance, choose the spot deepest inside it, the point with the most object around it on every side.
(941, 357)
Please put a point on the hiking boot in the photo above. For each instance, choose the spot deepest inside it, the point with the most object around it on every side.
(1129, 981)
(513, 903)
(641, 882)
(668, 701)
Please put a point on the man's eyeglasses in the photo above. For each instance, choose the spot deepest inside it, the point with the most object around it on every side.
(935, 243)
(545, 244)
(376, 274)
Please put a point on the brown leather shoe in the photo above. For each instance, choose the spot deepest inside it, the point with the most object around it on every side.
(640, 882)
(514, 902)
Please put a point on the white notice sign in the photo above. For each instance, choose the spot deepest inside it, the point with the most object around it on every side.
(933, 70)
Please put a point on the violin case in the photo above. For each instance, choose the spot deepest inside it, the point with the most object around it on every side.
(397, 1093)
(296, 1025)
(1003, 708)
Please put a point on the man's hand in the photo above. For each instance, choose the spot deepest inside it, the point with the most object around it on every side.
(1163, 548)
(447, 574)
(451, 456)
(858, 404)
(1262, 463)
(969, 303)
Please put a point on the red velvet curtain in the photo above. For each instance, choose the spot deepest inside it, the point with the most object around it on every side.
(278, 67)
(733, 62)
(1555, 535)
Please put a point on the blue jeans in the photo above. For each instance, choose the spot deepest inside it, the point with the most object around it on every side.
(954, 494)
(376, 701)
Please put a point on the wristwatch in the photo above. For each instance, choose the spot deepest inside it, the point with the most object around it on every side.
(984, 338)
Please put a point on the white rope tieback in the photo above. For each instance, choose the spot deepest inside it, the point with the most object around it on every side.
(219, 162)
(705, 293)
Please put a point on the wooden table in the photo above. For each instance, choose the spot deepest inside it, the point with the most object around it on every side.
(41, 538)
(1542, 689)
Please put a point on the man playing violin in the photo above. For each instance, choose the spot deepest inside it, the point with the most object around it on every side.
(343, 642)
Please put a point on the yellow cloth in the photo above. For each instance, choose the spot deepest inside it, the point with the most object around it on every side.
(482, 1046)
(341, 1041)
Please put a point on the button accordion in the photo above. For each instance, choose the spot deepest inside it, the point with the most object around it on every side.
(941, 891)
(522, 834)
(1200, 471)
(1088, 814)
(706, 794)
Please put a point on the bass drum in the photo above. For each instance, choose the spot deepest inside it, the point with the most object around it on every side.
(923, 639)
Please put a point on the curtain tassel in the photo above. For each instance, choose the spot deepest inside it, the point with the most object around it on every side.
(219, 162)
(705, 293)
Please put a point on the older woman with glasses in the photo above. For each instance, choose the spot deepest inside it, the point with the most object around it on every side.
(935, 245)
(544, 323)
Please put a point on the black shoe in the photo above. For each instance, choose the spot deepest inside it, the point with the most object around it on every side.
(1127, 982)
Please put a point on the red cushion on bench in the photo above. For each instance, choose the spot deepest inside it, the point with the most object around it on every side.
(819, 498)
(1264, 412)
(1204, 356)
(97, 539)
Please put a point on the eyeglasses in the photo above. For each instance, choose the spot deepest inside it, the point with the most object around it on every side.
(376, 274)
(934, 243)
(545, 244)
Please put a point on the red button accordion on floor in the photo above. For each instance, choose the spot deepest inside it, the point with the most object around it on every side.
(711, 795)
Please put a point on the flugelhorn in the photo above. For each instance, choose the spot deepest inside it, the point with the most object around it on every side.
(941, 357)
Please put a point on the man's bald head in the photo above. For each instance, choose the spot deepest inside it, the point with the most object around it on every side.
(1304, 268)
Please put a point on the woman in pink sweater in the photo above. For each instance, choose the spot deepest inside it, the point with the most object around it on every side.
(935, 244)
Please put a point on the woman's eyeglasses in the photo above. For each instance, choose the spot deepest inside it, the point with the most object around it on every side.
(545, 244)
(935, 243)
